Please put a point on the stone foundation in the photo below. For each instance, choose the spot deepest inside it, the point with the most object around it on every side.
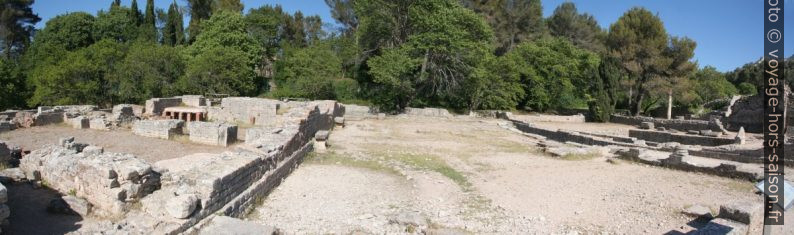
(163, 129)
(254, 111)
(664, 137)
(212, 133)
(108, 181)
(155, 107)
(427, 112)
(681, 125)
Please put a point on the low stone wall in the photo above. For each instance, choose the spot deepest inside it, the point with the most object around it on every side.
(194, 100)
(664, 137)
(746, 112)
(80, 122)
(163, 129)
(244, 110)
(579, 118)
(108, 181)
(427, 112)
(155, 107)
(358, 112)
(212, 133)
(123, 114)
(681, 163)
(48, 118)
(676, 124)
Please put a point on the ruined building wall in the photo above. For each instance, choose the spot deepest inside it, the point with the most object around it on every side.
(682, 125)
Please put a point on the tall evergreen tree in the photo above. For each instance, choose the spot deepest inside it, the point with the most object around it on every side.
(200, 10)
(149, 26)
(342, 11)
(115, 3)
(227, 5)
(136, 13)
(16, 25)
(581, 29)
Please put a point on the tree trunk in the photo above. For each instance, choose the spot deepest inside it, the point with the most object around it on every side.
(638, 101)
(670, 104)
(631, 95)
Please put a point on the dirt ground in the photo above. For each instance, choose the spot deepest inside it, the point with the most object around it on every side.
(471, 175)
(120, 141)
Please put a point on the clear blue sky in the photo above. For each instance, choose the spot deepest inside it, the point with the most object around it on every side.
(729, 32)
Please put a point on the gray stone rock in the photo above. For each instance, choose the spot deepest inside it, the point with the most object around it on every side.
(78, 205)
(92, 150)
(80, 122)
(647, 125)
(740, 137)
(182, 206)
(408, 218)
(698, 211)
(12, 175)
(321, 135)
(693, 132)
(743, 212)
(339, 121)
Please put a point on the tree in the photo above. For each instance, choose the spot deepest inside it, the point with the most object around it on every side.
(512, 21)
(603, 89)
(200, 10)
(115, 3)
(135, 13)
(678, 56)
(223, 58)
(79, 78)
(639, 39)
(342, 11)
(308, 72)
(581, 29)
(711, 84)
(115, 24)
(420, 52)
(148, 29)
(173, 31)
(16, 26)
(554, 72)
(13, 90)
(149, 70)
(228, 5)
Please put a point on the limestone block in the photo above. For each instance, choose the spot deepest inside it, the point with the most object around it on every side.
(93, 150)
(212, 133)
(123, 114)
(12, 175)
(740, 137)
(78, 205)
(163, 129)
(48, 118)
(428, 112)
(7, 126)
(99, 124)
(182, 206)
(340, 121)
(647, 125)
(194, 100)
(155, 107)
(321, 135)
(80, 123)
(743, 212)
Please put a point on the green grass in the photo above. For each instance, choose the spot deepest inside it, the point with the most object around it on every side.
(333, 158)
(434, 163)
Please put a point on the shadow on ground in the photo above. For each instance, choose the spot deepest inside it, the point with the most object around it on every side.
(29, 212)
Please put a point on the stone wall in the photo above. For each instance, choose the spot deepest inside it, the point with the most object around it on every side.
(676, 124)
(155, 107)
(746, 112)
(194, 100)
(123, 114)
(163, 129)
(682, 163)
(427, 112)
(108, 181)
(579, 118)
(664, 137)
(244, 110)
(48, 118)
(212, 133)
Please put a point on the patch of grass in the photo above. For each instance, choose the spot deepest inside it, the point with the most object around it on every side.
(740, 186)
(181, 138)
(333, 158)
(435, 163)
(4, 165)
(580, 156)
(72, 192)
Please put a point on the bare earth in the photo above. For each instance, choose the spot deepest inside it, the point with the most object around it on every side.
(119, 141)
(472, 175)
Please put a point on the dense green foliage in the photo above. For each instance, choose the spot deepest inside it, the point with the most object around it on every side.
(458, 54)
